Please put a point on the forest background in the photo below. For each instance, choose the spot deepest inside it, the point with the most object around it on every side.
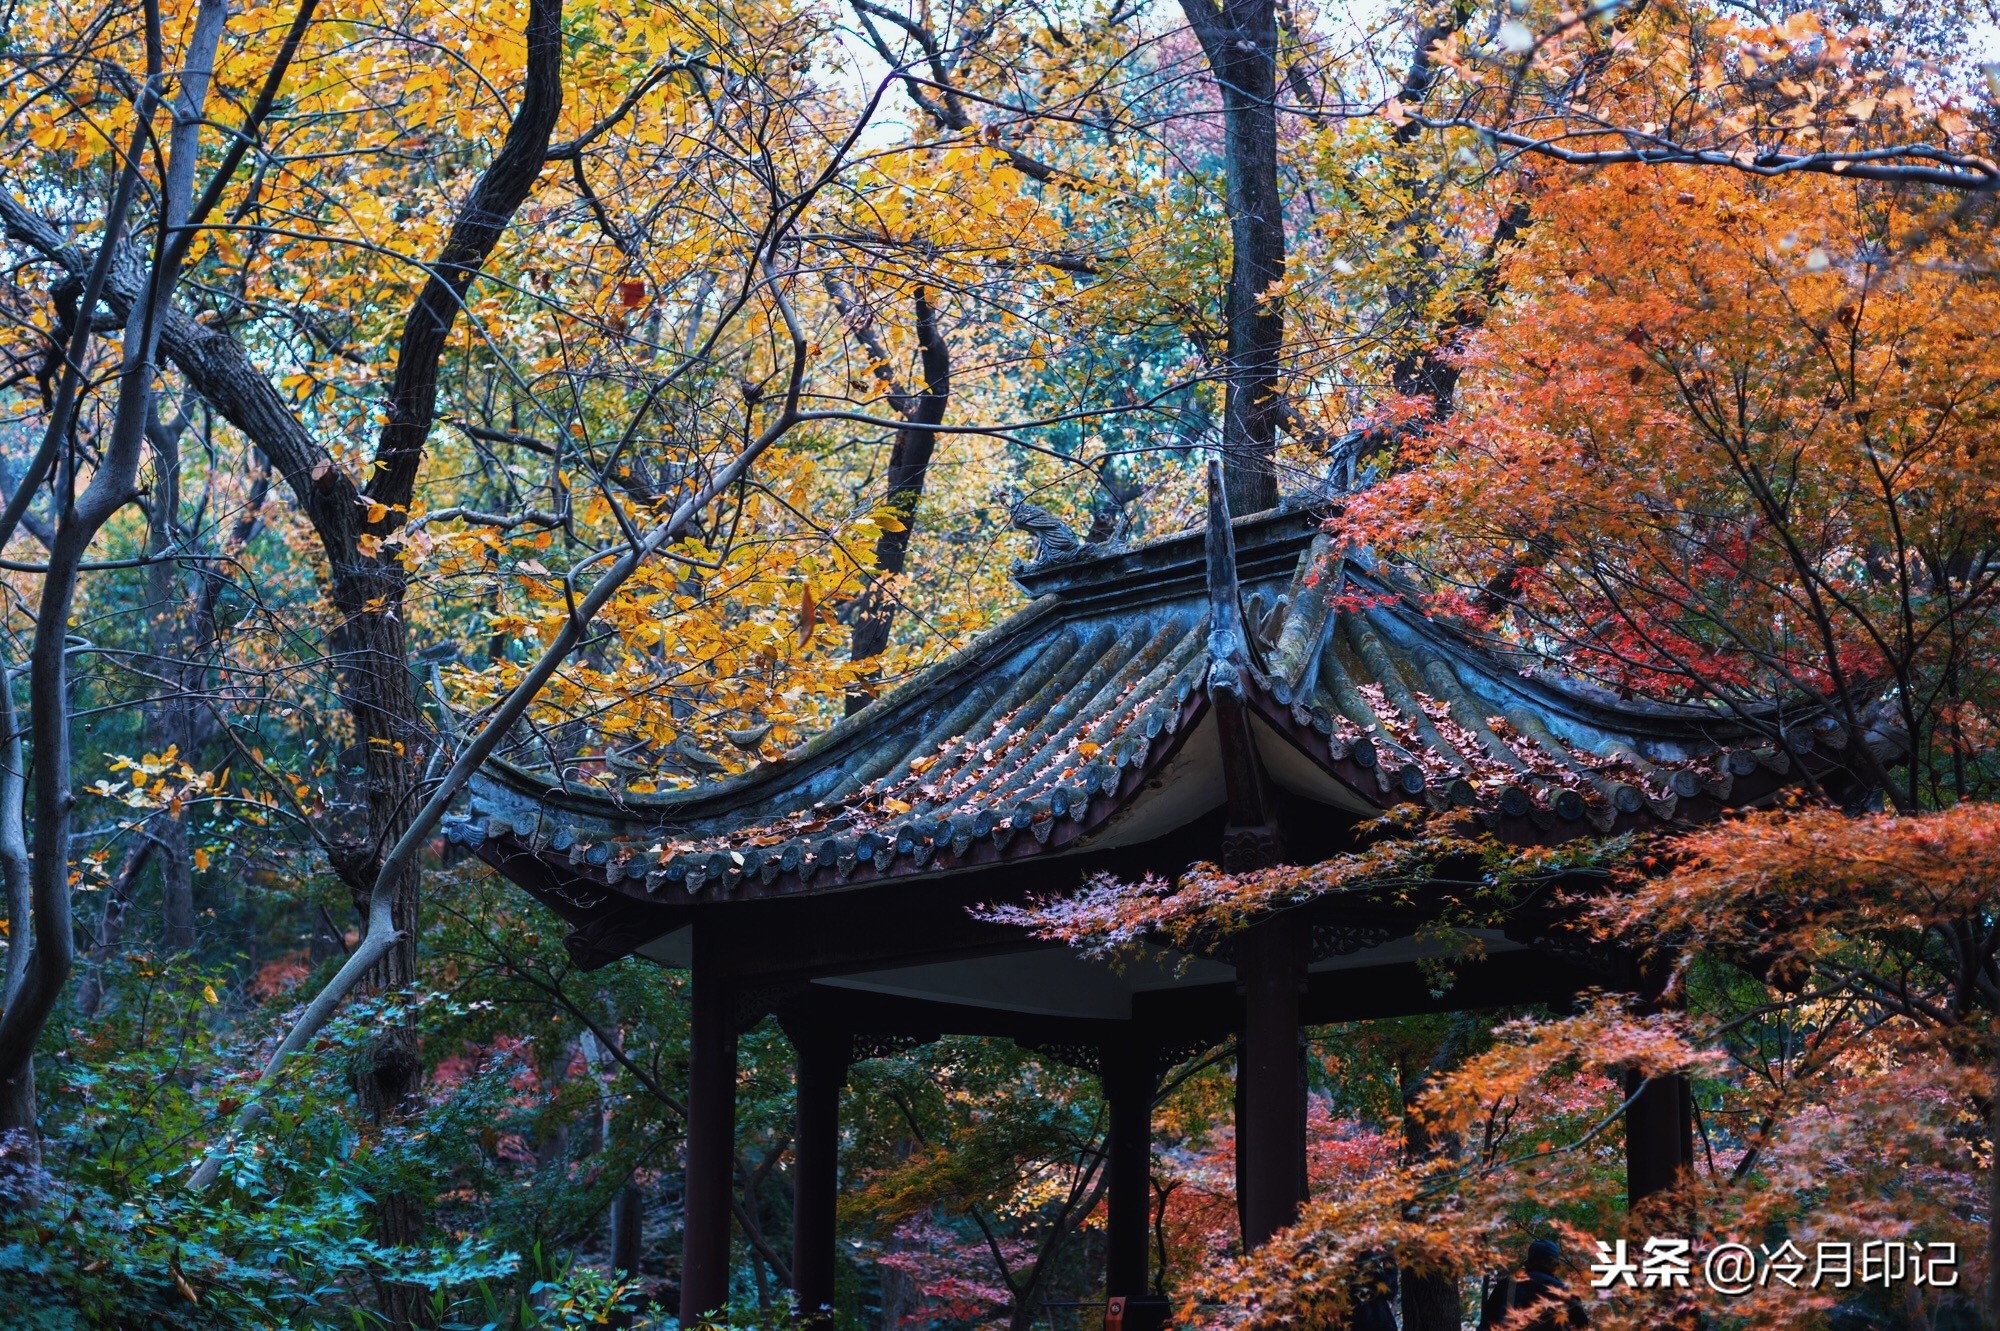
(386, 381)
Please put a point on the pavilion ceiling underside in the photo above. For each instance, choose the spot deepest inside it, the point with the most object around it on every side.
(1036, 737)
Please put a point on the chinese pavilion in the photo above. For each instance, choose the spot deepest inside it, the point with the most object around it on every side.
(1243, 694)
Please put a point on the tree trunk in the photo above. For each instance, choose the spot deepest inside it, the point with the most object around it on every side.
(17, 1092)
(370, 642)
(172, 641)
(909, 467)
(380, 694)
(376, 685)
(111, 926)
(899, 1292)
(628, 1228)
(176, 886)
(627, 1238)
(899, 1298)
(19, 1145)
(1431, 1303)
(1993, 1199)
(1431, 1299)
(1240, 39)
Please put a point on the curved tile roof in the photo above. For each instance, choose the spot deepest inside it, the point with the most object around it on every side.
(1039, 735)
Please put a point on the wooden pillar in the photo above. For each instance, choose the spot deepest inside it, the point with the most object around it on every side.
(821, 1072)
(711, 1140)
(1270, 1122)
(1128, 1194)
(1659, 1134)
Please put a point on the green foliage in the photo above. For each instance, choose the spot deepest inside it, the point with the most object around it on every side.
(105, 1235)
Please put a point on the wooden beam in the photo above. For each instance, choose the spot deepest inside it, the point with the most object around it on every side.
(1210, 1012)
(866, 1013)
(1370, 993)
(821, 1072)
(915, 923)
(711, 1139)
(1129, 1084)
(1270, 1127)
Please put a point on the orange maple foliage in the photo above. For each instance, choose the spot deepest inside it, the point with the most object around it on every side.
(1732, 440)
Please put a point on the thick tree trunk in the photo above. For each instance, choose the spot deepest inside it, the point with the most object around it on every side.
(176, 886)
(1240, 39)
(172, 642)
(380, 694)
(899, 1299)
(372, 652)
(1432, 1300)
(369, 641)
(628, 1228)
(1432, 1303)
(909, 467)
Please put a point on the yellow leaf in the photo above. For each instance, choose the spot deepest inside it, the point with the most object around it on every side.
(201, 858)
(208, 993)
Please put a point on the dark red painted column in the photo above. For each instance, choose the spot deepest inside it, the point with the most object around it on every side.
(711, 1139)
(821, 1072)
(1270, 1122)
(1128, 1148)
(1659, 1134)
